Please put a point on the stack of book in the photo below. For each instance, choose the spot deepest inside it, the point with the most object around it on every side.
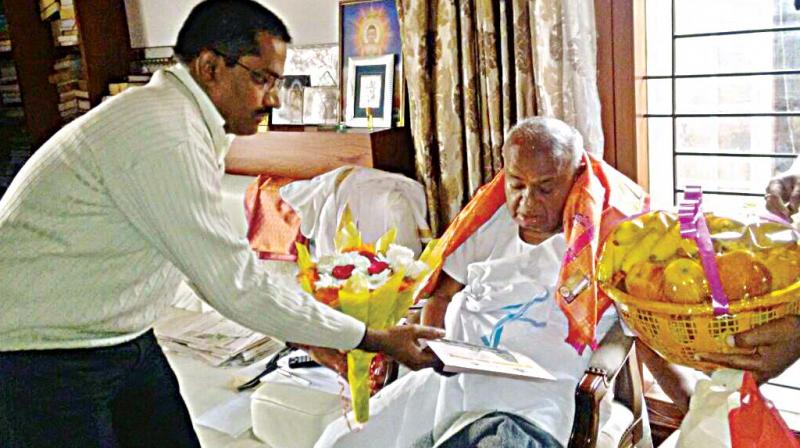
(9, 87)
(65, 28)
(141, 71)
(72, 90)
(48, 8)
(61, 15)
(5, 38)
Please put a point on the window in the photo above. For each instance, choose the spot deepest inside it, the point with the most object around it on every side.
(723, 105)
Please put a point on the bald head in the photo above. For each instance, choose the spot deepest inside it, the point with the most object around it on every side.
(542, 157)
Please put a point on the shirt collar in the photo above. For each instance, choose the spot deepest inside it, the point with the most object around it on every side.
(211, 116)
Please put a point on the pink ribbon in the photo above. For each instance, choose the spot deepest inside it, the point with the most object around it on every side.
(693, 226)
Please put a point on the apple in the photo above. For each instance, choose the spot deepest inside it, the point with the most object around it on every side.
(646, 280)
(685, 281)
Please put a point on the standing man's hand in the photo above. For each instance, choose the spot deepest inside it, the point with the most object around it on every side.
(783, 195)
(403, 344)
(775, 345)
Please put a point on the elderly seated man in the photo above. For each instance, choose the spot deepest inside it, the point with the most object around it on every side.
(518, 282)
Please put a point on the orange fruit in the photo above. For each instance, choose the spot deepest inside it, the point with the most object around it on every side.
(742, 275)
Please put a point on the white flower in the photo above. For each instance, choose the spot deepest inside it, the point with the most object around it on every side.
(399, 257)
(375, 281)
(416, 269)
(328, 262)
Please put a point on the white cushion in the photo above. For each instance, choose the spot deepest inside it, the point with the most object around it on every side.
(612, 431)
(291, 415)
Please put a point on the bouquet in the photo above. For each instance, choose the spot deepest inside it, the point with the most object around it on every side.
(375, 283)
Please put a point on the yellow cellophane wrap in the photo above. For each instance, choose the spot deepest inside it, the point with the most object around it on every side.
(379, 309)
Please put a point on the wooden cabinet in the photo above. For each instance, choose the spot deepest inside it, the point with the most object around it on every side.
(308, 153)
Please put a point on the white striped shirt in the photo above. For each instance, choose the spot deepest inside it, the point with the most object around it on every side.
(100, 226)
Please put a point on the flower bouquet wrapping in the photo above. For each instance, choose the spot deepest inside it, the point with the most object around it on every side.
(374, 283)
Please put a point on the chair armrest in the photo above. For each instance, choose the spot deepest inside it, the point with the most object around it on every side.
(607, 361)
(611, 353)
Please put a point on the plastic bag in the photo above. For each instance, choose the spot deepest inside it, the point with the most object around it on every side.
(728, 411)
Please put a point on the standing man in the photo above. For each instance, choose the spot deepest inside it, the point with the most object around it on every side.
(106, 219)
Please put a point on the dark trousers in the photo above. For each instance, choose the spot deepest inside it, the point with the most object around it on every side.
(120, 396)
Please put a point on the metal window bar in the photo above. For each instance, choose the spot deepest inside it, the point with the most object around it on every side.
(726, 114)
(729, 33)
(726, 75)
(673, 77)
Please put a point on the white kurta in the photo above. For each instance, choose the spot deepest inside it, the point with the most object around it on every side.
(507, 302)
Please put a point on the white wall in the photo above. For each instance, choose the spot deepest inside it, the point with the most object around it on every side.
(155, 23)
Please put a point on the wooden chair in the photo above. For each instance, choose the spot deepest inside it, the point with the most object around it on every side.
(613, 367)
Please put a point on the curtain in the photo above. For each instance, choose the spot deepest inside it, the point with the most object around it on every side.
(475, 67)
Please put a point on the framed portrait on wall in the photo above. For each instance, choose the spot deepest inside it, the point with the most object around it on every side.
(291, 95)
(369, 91)
(370, 28)
(321, 105)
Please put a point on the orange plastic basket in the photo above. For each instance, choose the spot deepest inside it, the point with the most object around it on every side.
(678, 331)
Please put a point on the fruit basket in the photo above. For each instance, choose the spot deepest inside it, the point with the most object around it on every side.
(679, 303)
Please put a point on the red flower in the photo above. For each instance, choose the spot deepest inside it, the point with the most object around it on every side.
(377, 267)
(343, 272)
(369, 255)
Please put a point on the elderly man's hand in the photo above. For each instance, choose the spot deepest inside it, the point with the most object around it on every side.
(403, 344)
(433, 312)
(775, 345)
(783, 195)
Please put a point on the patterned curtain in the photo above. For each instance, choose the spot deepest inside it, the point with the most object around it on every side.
(475, 67)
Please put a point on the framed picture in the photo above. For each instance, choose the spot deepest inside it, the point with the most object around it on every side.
(369, 91)
(291, 96)
(321, 105)
(372, 28)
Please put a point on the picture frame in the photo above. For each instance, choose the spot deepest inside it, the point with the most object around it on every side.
(321, 105)
(291, 95)
(372, 28)
(370, 87)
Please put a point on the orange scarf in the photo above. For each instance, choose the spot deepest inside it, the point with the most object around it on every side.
(600, 197)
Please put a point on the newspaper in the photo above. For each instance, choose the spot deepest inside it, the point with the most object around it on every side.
(213, 338)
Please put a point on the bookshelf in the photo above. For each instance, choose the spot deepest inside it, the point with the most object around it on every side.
(103, 47)
(15, 142)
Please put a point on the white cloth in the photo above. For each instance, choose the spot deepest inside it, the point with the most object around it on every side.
(521, 285)
(102, 223)
(495, 239)
(378, 200)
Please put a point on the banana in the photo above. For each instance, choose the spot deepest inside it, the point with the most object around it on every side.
(627, 232)
(641, 251)
(689, 247)
(668, 246)
(605, 266)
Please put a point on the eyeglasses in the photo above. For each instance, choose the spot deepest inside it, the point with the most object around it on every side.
(267, 81)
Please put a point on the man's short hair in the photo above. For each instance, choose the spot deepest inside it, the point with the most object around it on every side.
(229, 27)
(564, 140)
